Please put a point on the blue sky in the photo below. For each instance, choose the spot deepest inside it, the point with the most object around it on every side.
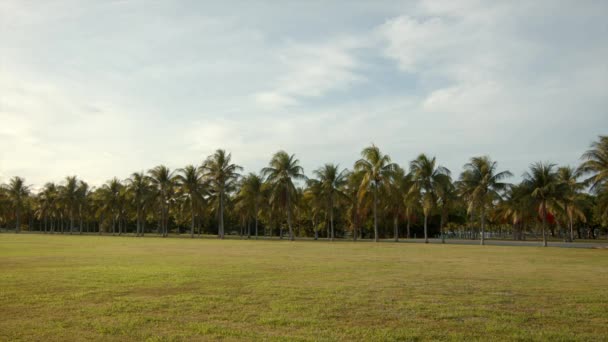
(105, 88)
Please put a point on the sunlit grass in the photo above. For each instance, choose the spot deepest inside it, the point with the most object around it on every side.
(104, 288)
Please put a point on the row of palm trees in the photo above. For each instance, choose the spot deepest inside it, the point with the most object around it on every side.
(375, 194)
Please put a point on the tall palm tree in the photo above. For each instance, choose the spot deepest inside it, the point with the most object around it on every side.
(281, 171)
(69, 196)
(163, 180)
(140, 190)
(48, 197)
(331, 181)
(251, 192)
(425, 177)
(398, 187)
(222, 176)
(411, 202)
(446, 199)
(17, 193)
(571, 200)
(190, 181)
(314, 203)
(111, 193)
(481, 184)
(83, 196)
(544, 186)
(355, 203)
(376, 168)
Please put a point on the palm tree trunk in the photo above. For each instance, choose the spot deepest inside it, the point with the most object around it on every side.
(248, 229)
(544, 213)
(441, 227)
(375, 214)
(396, 231)
(483, 225)
(138, 220)
(408, 226)
(291, 237)
(17, 220)
(571, 228)
(221, 228)
(192, 223)
(71, 222)
(426, 237)
(80, 222)
(331, 217)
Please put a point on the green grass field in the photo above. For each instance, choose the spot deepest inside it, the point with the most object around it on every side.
(105, 288)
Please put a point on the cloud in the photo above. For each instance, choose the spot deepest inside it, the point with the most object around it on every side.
(312, 70)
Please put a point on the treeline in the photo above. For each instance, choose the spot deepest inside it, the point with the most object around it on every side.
(375, 199)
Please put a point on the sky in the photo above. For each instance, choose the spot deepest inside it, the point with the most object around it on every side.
(106, 88)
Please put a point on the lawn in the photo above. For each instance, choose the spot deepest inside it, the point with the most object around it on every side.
(125, 288)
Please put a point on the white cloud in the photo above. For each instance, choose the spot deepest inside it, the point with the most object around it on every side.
(312, 70)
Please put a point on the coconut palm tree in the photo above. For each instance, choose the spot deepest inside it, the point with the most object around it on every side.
(251, 193)
(411, 202)
(571, 201)
(281, 171)
(331, 180)
(222, 176)
(425, 177)
(398, 186)
(111, 198)
(17, 193)
(163, 180)
(356, 203)
(545, 187)
(315, 203)
(446, 199)
(69, 196)
(83, 194)
(376, 168)
(481, 184)
(190, 182)
(140, 191)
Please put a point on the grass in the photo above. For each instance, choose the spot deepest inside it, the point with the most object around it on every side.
(117, 289)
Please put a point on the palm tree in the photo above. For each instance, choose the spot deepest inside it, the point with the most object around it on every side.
(355, 201)
(83, 196)
(251, 193)
(69, 196)
(411, 202)
(17, 193)
(281, 171)
(425, 177)
(376, 168)
(544, 186)
(222, 176)
(481, 184)
(190, 181)
(571, 201)
(397, 190)
(140, 191)
(446, 198)
(331, 181)
(163, 180)
(111, 193)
